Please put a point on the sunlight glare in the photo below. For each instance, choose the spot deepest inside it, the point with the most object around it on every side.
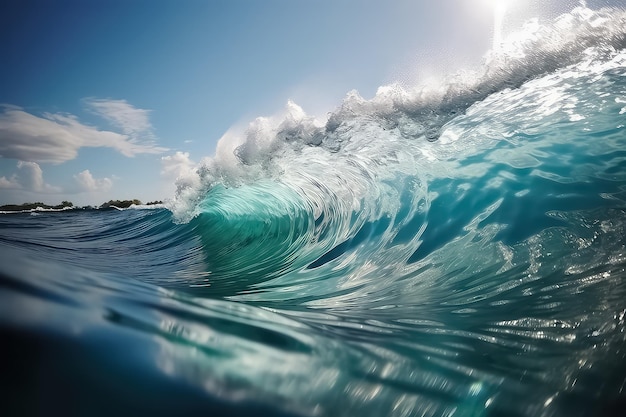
(499, 10)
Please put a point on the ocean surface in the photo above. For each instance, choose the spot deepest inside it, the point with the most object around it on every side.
(450, 250)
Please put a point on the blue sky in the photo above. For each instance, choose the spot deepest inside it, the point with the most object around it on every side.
(108, 99)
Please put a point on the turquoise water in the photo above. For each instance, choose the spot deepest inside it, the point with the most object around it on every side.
(459, 252)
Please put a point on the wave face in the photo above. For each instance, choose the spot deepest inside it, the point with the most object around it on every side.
(457, 250)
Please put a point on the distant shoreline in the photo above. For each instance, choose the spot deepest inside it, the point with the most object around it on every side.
(68, 205)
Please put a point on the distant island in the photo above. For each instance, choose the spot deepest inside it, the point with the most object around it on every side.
(66, 205)
(126, 203)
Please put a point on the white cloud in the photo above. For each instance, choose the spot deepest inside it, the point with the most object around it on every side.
(178, 165)
(29, 178)
(56, 138)
(33, 176)
(87, 182)
(9, 183)
(132, 121)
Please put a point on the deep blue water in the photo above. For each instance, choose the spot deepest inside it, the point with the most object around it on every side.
(418, 254)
